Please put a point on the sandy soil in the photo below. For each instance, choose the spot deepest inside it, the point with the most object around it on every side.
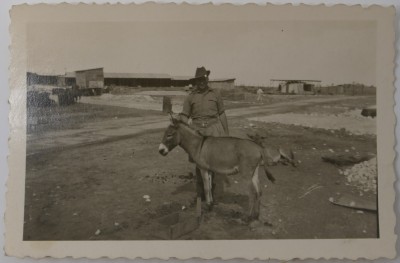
(352, 122)
(136, 101)
(162, 93)
(54, 118)
(76, 193)
(152, 99)
(340, 115)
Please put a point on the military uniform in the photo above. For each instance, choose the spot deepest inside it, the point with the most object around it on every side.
(204, 108)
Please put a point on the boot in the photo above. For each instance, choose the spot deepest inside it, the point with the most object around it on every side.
(199, 185)
(214, 192)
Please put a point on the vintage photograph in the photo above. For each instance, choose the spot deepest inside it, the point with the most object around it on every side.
(202, 129)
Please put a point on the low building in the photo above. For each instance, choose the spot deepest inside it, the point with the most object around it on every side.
(296, 86)
(347, 89)
(90, 78)
(36, 79)
(222, 84)
(96, 78)
(69, 79)
(137, 79)
(180, 81)
(292, 88)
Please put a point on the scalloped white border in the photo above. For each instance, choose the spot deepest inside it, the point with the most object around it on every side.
(265, 249)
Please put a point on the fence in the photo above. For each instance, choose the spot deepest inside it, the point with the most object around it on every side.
(350, 90)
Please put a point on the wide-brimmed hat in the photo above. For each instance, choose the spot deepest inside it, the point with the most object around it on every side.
(200, 73)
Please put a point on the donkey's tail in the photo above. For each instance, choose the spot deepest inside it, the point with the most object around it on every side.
(289, 158)
(266, 161)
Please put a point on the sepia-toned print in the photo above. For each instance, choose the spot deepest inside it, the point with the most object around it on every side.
(204, 128)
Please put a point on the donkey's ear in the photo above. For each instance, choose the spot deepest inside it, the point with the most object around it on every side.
(174, 118)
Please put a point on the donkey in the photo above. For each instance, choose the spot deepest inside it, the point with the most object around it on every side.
(221, 155)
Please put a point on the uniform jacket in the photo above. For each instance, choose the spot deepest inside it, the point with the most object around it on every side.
(203, 105)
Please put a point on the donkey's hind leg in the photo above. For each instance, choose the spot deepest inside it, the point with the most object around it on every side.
(207, 182)
(254, 196)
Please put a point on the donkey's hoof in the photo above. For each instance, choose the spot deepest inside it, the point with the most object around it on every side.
(255, 224)
(266, 223)
(252, 218)
(210, 206)
(246, 220)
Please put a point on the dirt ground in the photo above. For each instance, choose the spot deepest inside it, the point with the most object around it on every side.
(96, 192)
(73, 116)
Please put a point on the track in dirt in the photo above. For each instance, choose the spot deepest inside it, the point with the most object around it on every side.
(73, 193)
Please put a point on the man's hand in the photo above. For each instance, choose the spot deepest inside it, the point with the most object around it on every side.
(184, 118)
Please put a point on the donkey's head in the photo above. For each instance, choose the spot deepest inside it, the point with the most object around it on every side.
(171, 137)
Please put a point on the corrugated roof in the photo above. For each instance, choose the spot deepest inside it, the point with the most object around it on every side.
(296, 80)
(82, 70)
(70, 75)
(136, 76)
(221, 80)
(146, 76)
(211, 80)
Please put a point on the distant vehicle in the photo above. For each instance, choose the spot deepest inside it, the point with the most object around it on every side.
(39, 99)
(369, 112)
(66, 96)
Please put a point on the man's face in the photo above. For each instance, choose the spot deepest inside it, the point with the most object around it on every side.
(201, 83)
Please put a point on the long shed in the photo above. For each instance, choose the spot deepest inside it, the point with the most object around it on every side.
(222, 84)
(137, 79)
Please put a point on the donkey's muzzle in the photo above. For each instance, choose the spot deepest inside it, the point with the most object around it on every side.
(162, 149)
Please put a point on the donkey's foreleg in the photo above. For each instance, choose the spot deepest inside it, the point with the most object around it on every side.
(258, 191)
(207, 182)
(254, 196)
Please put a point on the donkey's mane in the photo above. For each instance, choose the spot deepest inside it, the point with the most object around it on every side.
(190, 128)
(199, 133)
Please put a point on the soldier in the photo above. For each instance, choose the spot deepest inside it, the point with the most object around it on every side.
(206, 110)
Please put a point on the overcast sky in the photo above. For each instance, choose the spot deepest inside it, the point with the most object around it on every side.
(252, 52)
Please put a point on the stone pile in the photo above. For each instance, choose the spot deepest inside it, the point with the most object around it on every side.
(363, 175)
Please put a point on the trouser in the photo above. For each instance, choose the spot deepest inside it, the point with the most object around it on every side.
(215, 130)
(200, 185)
